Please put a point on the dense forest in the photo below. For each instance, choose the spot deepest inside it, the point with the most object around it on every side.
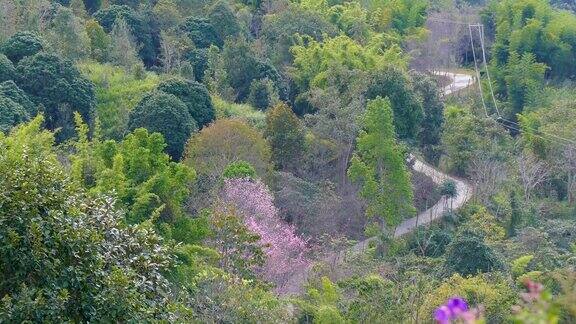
(288, 161)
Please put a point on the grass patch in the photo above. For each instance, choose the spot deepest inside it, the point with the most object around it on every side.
(117, 93)
(252, 116)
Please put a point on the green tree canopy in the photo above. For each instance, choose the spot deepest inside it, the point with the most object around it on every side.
(194, 95)
(65, 34)
(224, 142)
(534, 27)
(7, 69)
(279, 31)
(465, 136)
(285, 133)
(243, 66)
(314, 60)
(92, 5)
(68, 256)
(141, 26)
(117, 93)
(524, 79)
(56, 84)
(215, 147)
(11, 114)
(201, 32)
(9, 89)
(166, 114)
(21, 45)
(395, 84)
(378, 166)
(468, 255)
(263, 94)
(146, 182)
(99, 41)
(198, 59)
(433, 119)
(223, 18)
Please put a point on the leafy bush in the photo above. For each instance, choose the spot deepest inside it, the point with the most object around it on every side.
(469, 255)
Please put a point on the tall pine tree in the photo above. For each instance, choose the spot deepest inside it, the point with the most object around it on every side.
(378, 166)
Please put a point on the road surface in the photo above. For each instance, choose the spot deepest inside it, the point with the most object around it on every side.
(459, 81)
(295, 284)
(464, 193)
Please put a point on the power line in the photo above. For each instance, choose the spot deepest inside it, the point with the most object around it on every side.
(481, 34)
(481, 31)
(518, 127)
(561, 140)
(565, 145)
(477, 71)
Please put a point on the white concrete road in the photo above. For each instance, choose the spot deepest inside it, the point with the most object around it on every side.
(464, 193)
(459, 81)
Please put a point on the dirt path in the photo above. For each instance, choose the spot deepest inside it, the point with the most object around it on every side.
(295, 284)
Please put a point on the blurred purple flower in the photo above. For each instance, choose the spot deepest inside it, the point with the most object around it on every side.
(457, 306)
(442, 315)
(454, 308)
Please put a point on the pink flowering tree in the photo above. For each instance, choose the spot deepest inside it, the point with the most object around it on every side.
(284, 249)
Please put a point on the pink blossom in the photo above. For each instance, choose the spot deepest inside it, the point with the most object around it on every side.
(284, 249)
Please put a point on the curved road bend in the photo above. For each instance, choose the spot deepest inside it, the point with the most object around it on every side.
(295, 283)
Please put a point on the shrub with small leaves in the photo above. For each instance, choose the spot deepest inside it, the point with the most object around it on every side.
(21, 45)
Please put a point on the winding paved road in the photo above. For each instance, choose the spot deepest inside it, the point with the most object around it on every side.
(295, 284)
